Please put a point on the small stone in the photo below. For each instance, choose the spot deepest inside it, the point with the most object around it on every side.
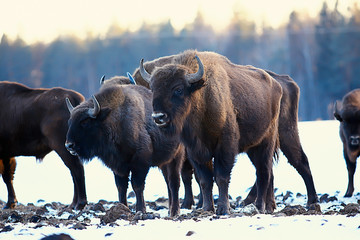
(98, 207)
(189, 233)
(293, 210)
(78, 226)
(7, 228)
(250, 210)
(351, 208)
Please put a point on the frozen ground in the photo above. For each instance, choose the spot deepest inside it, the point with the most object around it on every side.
(51, 182)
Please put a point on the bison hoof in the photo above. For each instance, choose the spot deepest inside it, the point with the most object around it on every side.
(80, 206)
(187, 204)
(348, 195)
(10, 205)
(222, 210)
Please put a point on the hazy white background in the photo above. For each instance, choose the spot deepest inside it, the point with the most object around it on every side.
(44, 20)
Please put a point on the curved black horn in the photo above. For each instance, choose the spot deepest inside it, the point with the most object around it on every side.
(93, 112)
(194, 77)
(132, 80)
(102, 80)
(69, 105)
(144, 74)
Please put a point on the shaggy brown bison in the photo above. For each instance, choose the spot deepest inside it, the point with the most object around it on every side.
(186, 170)
(116, 126)
(219, 109)
(33, 123)
(347, 112)
(288, 125)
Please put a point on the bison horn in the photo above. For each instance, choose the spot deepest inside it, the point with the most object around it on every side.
(144, 74)
(132, 80)
(194, 77)
(102, 80)
(69, 105)
(94, 111)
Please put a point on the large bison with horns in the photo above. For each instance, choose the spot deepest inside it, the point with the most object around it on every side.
(219, 109)
(347, 112)
(186, 169)
(288, 124)
(116, 126)
(288, 129)
(33, 123)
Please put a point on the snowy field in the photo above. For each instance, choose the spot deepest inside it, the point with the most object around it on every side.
(51, 181)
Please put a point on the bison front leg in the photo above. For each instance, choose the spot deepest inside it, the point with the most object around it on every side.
(186, 176)
(204, 172)
(172, 177)
(9, 165)
(261, 157)
(270, 204)
(138, 184)
(121, 183)
(223, 164)
(78, 175)
(251, 197)
(351, 167)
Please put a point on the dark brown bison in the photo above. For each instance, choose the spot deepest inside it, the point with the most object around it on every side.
(288, 125)
(347, 112)
(219, 109)
(116, 126)
(33, 123)
(289, 136)
(186, 170)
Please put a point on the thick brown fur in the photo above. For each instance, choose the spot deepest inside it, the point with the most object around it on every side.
(34, 122)
(347, 112)
(126, 139)
(232, 109)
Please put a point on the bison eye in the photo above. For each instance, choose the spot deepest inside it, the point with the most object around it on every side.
(179, 91)
(85, 122)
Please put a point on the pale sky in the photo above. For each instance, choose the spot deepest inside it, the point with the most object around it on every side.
(44, 20)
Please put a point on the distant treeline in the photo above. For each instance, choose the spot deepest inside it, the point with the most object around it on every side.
(322, 54)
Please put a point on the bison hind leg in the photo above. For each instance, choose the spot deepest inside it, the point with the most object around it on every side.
(8, 166)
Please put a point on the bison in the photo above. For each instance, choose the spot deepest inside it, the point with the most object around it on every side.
(186, 170)
(219, 109)
(118, 80)
(33, 123)
(115, 125)
(288, 125)
(347, 112)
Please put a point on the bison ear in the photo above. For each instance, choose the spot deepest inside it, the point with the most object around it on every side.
(337, 111)
(197, 85)
(103, 113)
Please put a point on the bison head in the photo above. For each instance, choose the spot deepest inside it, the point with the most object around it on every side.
(173, 88)
(85, 128)
(349, 117)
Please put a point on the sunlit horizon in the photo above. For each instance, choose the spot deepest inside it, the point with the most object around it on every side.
(45, 20)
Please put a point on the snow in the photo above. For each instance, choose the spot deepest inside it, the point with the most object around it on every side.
(51, 181)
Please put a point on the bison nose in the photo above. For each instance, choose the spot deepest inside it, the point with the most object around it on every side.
(70, 147)
(354, 140)
(160, 118)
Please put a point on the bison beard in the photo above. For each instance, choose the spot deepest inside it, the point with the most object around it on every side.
(347, 112)
(122, 134)
(220, 109)
(34, 122)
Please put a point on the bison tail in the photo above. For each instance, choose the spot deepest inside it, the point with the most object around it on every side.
(276, 150)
